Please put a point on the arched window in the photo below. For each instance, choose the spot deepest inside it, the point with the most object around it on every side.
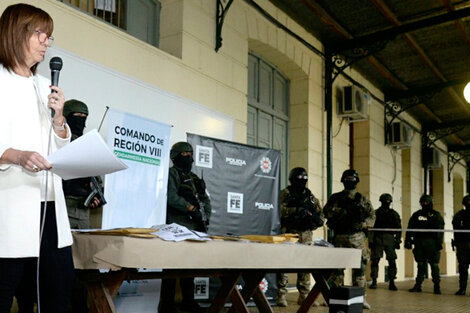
(268, 109)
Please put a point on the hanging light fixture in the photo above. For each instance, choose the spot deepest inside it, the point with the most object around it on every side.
(466, 92)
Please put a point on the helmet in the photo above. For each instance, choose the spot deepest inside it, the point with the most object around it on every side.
(179, 147)
(350, 173)
(74, 106)
(299, 173)
(427, 198)
(466, 199)
(385, 197)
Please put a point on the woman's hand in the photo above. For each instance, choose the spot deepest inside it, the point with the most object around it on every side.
(32, 161)
(56, 102)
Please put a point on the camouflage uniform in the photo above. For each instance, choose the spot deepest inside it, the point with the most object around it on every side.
(427, 246)
(182, 193)
(290, 218)
(461, 221)
(349, 214)
(185, 190)
(380, 241)
(76, 191)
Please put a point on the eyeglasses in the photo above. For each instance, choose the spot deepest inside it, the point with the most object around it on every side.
(42, 37)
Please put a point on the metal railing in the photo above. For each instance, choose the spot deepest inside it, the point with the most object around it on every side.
(110, 11)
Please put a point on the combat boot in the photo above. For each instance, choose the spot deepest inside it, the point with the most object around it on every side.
(301, 298)
(416, 288)
(437, 289)
(374, 284)
(281, 300)
(391, 285)
(462, 286)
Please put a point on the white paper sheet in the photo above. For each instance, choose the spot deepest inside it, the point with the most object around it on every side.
(86, 156)
(176, 232)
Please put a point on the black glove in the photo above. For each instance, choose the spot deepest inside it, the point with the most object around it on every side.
(396, 245)
(200, 186)
(196, 214)
(408, 245)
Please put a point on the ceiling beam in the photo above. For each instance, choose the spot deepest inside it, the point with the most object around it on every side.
(449, 124)
(457, 148)
(398, 95)
(392, 32)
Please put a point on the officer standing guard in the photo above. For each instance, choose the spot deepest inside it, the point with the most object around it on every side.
(461, 221)
(76, 191)
(388, 241)
(188, 204)
(427, 245)
(349, 214)
(300, 214)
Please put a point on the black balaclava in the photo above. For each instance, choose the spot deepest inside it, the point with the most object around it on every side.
(298, 178)
(298, 184)
(76, 124)
(426, 205)
(386, 199)
(466, 203)
(386, 204)
(184, 162)
(350, 183)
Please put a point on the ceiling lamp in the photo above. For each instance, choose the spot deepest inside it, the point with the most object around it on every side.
(466, 92)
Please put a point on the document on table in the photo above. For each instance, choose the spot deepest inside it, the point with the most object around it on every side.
(86, 156)
(176, 232)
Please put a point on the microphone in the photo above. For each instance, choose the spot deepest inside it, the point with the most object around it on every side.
(55, 64)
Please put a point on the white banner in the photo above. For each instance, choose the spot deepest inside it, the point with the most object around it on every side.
(137, 196)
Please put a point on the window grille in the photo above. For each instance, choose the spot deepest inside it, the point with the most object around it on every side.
(126, 15)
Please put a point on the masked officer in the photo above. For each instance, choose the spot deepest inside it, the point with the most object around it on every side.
(427, 245)
(349, 214)
(188, 205)
(300, 214)
(380, 241)
(461, 221)
(77, 190)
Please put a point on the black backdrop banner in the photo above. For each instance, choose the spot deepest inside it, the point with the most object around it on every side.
(244, 185)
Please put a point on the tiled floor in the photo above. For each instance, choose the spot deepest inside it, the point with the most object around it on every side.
(402, 301)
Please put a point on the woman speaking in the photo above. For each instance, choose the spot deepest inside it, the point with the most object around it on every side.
(34, 227)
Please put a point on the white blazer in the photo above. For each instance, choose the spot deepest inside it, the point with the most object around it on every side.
(24, 125)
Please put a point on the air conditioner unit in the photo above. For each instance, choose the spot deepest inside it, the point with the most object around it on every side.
(355, 104)
(432, 158)
(399, 135)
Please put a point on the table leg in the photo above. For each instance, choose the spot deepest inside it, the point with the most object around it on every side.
(103, 292)
(229, 284)
(102, 300)
(321, 286)
(251, 289)
(238, 304)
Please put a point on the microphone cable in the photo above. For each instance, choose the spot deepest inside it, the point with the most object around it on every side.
(42, 110)
(43, 221)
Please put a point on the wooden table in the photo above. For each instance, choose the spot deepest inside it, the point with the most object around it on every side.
(228, 260)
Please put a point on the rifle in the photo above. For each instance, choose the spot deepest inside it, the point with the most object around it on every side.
(95, 192)
(191, 193)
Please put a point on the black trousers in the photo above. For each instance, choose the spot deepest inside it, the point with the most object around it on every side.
(56, 273)
(167, 293)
